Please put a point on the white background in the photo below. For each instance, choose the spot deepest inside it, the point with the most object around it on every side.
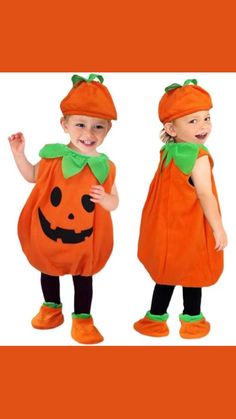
(29, 102)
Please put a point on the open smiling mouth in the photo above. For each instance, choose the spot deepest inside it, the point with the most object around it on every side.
(201, 136)
(67, 236)
(87, 143)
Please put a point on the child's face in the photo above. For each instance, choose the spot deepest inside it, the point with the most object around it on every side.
(193, 128)
(86, 133)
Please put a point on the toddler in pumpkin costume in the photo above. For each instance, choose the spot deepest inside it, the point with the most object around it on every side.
(181, 235)
(65, 226)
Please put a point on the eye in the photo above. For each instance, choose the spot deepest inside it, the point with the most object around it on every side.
(193, 121)
(56, 196)
(80, 125)
(208, 118)
(87, 203)
(99, 127)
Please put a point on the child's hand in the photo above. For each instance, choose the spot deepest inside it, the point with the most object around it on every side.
(220, 239)
(17, 143)
(97, 193)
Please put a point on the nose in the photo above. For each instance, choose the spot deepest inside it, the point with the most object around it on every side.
(71, 216)
(205, 125)
(88, 133)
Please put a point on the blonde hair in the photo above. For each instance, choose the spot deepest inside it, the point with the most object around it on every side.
(166, 138)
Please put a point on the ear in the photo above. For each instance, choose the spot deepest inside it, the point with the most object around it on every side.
(109, 125)
(170, 129)
(63, 122)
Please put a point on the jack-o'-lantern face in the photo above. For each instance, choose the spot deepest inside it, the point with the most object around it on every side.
(60, 229)
(67, 235)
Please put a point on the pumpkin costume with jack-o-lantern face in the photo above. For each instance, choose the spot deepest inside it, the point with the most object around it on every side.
(60, 229)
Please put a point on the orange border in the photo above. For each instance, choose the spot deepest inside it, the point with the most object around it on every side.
(117, 382)
(149, 36)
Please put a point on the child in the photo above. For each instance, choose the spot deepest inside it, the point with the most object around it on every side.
(182, 235)
(65, 226)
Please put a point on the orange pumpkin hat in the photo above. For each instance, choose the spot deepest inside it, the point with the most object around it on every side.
(183, 100)
(90, 98)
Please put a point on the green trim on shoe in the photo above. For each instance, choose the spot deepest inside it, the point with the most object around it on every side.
(187, 318)
(52, 305)
(81, 316)
(156, 317)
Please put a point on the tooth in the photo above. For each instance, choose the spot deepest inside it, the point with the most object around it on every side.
(53, 225)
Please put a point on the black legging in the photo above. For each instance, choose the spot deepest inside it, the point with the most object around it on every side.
(83, 288)
(162, 295)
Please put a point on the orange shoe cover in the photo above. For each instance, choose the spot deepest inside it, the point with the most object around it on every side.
(48, 316)
(153, 325)
(193, 327)
(84, 331)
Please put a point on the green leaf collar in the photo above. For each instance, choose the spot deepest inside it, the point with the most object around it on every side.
(73, 162)
(183, 154)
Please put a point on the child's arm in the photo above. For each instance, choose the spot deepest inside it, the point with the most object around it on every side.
(201, 176)
(109, 201)
(28, 170)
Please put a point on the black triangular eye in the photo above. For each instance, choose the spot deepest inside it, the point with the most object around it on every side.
(56, 196)
(87, 203)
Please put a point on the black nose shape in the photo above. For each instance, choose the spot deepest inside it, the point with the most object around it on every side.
(71, 216)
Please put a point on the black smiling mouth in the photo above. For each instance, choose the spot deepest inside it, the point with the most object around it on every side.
(67, 236)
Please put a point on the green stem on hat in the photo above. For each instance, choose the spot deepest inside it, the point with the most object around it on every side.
(93, 76)
(172, 87)
(177, 86)
(75, 78)
(187, 82)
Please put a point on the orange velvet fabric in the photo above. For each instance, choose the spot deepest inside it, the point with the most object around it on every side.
(91, 99)
(84, 331)
(183, 101)
(176, 243)
(194, 330)
(53, 256)
(48, 318)
(149, 327)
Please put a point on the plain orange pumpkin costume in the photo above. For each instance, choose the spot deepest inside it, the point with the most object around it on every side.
(60, 229)
(176, 242)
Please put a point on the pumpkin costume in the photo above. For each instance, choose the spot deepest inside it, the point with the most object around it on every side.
(176, 242)
(61, 230)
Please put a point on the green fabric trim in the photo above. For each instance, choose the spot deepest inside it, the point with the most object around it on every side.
(52, 305)
(73, 162)
(187, 82)
(81, 316)
(75, 78)
(157, 318)
(174, 86)
(187, 318)
(183, 154)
